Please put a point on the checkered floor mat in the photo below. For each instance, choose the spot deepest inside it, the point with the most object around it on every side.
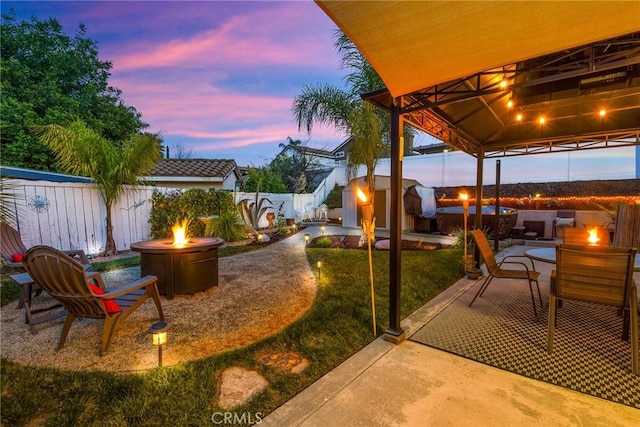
(500, 330)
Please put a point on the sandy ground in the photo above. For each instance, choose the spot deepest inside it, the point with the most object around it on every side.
(260, 293)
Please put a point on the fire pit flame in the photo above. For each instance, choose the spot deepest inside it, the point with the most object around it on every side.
(593, 236)
(180, 238)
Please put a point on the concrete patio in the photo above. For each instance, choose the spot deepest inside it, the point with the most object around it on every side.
(411, 384)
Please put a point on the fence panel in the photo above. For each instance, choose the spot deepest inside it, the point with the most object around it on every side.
(73, 216)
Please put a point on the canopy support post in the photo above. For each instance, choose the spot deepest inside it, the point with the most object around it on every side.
(395, 333)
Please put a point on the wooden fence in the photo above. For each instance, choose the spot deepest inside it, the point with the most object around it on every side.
(73, 215)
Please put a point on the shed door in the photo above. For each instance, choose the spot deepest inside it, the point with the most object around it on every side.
(380, 208)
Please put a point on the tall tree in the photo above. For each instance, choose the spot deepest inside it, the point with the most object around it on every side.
(345, 110)
(80, 150)
(263, 179)
(49, 77)
(300, 169)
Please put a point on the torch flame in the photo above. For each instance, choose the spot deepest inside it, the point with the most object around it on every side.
(180, 233)
(593, 236)
(363, 197)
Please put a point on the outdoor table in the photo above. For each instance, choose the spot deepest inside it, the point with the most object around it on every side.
(33, 317)
(549, 255)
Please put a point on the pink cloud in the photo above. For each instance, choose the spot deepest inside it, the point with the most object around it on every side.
(285, 34)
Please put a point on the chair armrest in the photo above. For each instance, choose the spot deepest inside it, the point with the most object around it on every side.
(516, 262)
(82, 257)
(12, 264)
(95, 277)
(533, 267)
(138, 284)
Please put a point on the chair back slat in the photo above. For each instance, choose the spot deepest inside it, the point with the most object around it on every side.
(627, 232)
(64, 279)
(597, 274)
(485, 251)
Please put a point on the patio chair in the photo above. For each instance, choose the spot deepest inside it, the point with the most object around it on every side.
(496, 269)
(13, 248)
(600, 275)
(565, 218)
(578, 236)
(65, 279)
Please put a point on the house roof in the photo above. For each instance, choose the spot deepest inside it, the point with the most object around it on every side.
(443, 64)
(34, 175)
(194, 168)
(303, 149)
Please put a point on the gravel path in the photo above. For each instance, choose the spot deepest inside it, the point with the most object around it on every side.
(260, 293)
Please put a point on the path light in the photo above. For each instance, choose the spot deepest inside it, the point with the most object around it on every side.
(307, 237)
(158, 333)
(260, 237)
(294, 226)
(320, 264)
(368, 226)
(323, 228)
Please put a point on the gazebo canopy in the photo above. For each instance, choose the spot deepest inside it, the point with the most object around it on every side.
(576, 65)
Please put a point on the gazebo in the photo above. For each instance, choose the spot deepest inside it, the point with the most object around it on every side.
(498, 79)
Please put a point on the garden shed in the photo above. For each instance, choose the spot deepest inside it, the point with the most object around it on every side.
(352, 214)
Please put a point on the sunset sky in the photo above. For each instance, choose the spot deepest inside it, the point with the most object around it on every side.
(218, 77)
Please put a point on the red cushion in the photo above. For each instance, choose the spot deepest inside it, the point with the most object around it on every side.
(111, 306)
(17, 257)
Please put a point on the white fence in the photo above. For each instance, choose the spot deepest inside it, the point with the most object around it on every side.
(73, 216)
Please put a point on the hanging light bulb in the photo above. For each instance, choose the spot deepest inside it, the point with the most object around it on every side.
(519, 117)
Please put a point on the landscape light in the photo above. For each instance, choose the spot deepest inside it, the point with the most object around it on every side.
(158, 333)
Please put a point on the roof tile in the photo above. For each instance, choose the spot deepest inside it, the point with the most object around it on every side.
(193, 167)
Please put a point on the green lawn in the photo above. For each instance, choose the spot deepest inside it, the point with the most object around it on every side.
(338, 325)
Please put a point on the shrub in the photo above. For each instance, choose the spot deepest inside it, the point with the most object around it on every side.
(323, 242)
(227, 227)
(334, 199)
(167, 208)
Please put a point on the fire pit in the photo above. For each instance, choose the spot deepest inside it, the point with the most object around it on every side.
(181, 268)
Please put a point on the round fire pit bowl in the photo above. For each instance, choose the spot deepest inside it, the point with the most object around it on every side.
(183, 269)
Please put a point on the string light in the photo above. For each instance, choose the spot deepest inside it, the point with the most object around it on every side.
(603, 112)
(504, 84)
(542, 120)
(519, 117)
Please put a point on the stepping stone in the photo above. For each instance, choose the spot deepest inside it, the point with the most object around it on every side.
(238, 386)
(383, 244)
(288, 362)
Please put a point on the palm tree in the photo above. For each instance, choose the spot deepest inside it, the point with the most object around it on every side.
(81, 151)
(344, 109)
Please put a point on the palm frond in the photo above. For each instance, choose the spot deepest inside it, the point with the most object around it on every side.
(326, 104)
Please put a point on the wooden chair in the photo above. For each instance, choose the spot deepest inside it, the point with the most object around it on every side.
(495, 269)
(578, 236)
(601, 275)
(65, 279)
(11, 244)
